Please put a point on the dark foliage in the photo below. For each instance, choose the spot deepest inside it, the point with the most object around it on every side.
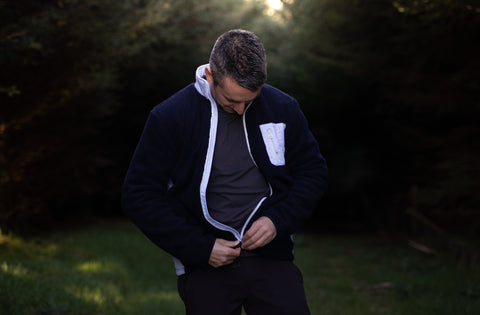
(390, 90)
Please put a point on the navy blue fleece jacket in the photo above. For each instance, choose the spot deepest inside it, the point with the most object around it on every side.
(165, 186)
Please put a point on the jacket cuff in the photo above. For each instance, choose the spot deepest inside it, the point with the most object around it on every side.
(199, 254)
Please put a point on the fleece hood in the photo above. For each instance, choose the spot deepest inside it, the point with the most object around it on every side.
(201, 84)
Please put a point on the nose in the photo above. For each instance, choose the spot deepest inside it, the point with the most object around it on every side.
(239, 108)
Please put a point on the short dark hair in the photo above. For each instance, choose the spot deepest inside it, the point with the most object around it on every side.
(239, 55)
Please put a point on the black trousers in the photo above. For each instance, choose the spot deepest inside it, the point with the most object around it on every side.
(260, 285)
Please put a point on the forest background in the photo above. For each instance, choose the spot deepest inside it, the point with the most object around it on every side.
(391, 90)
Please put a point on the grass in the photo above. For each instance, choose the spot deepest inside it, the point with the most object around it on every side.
(111, 268)
(366, 275)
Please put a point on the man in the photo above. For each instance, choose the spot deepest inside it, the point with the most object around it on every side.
(225, 172)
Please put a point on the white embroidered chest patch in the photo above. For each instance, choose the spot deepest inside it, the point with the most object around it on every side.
(274, 138)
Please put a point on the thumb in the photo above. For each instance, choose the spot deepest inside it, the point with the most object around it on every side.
(226, 243)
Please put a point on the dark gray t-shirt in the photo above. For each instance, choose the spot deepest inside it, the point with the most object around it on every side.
(236, 185)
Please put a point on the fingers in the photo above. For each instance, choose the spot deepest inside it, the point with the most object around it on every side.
(261, 233)
(226, 243)
(223, 253)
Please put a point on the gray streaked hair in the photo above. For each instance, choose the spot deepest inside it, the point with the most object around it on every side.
(239, 55)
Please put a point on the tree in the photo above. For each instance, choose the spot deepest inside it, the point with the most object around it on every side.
(78, 78)
(392, 90)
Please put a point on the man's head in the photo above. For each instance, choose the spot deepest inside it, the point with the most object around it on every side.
(240, 56)
(237, 70)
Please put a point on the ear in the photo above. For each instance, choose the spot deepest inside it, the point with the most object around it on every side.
(208, 75)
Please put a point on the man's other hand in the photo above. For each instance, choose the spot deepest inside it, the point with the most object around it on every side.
(261, 233)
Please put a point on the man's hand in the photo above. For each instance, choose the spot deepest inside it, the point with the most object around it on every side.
(223, 253)
(261, 233)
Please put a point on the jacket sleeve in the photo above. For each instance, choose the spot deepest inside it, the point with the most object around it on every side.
(308, 169)
(145, 195)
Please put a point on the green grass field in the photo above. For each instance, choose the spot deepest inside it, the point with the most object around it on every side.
(111, 268)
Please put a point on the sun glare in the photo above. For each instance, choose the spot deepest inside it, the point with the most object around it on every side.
(275, 4)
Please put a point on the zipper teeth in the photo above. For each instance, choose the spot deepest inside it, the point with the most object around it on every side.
(246, 134)
(254, 162)
(248, 144)
(206, 176)
(251, 215)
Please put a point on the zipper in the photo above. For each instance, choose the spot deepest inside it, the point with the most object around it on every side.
(208, 167)
(256, 165)
(248, 146)
(206, 173)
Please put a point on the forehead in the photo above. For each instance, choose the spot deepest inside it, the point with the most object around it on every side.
(233, 92)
